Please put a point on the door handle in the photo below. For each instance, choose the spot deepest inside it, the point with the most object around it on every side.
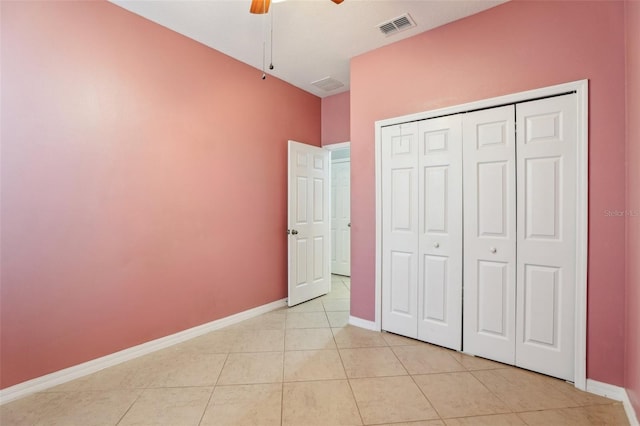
(349, 224)
(294, 232)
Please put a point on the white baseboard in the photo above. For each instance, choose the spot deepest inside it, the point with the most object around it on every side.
(362, 323)
(62, 376)
(614, 392)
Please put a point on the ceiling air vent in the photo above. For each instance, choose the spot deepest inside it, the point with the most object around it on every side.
(401, 23)
(328, 84)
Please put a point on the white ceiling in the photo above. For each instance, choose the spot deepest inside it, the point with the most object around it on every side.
(312, 39)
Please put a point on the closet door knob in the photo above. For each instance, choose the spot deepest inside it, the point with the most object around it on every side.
(436, 245)
(493, 250)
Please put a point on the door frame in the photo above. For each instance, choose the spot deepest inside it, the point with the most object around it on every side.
(581, 88)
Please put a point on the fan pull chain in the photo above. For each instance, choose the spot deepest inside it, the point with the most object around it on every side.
(264, 42)
(264, 49)
(271, 38)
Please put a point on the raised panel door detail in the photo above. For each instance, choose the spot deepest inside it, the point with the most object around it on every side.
(435, 282)
(493, 134)
(346, 238)
(492, 298)
(401, 282)
(436, 142)
(318, 258)
(319, 162)
(301, 277)
(334, 239)
(542, 197)
(301, 159)
(402, 199)
(492, 203)
(541, 305)
(319, 200)
(543, 128)
(334, 211)
(301, 204)
(401, 145)
(436, 190)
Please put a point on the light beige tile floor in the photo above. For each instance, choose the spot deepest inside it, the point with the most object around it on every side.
(306, 366)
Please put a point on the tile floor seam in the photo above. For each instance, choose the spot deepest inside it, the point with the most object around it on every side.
(406, 370)
(521, 419)
(282, 402)
(206, 406)
(506, 404)
(129, 409)
(349, 383)
(427, 398)
(355, 400)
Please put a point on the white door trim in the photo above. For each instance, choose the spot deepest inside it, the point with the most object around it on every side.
(581, 88)
(339, 145)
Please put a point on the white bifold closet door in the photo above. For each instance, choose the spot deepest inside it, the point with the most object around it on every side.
(422, 230)
(519, 237)
(440, 231)
(546, 271)
(400, 229)
(490, 233)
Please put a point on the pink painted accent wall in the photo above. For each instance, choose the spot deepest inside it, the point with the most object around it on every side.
(143, 183)
(632, 372)
(517, 46)
(336, 119)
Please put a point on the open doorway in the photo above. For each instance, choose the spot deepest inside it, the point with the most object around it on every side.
(340, 209)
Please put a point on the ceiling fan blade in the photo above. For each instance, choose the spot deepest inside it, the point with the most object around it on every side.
(260, 6)
(337, 1)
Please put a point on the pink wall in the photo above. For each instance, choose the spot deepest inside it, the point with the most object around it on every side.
(632, 373)
(136, 199)
(517, 46)
(336, 119)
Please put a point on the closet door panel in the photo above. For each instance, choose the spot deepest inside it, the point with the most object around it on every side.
(440, 231)
(489, 233)
(492, 303)
(546, 146)
(400, 221)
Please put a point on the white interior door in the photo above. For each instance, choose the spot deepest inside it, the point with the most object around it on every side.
(546, 170)
(309, 223)
(490, 233)
(440, 228)
(341, 217)
(399, 152)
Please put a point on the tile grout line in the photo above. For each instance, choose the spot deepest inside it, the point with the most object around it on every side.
(427, 398)
(353, 395)
(506, 404)
(213, 389)
(349, 384)
(130, 407)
